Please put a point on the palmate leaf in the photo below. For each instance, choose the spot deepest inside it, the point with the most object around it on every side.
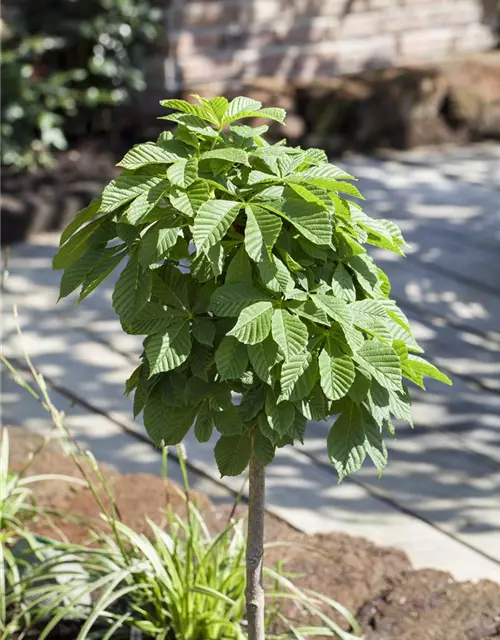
(230, 300)
(254, 323)
(150, 153)
(279, 416)
(204, 426)
(188, 107)
(183, 172)
(421, 366)
(81, 218)
(157, 242)
(261, 231)
(382, 362)
(132, 291)
(212, 221)
(336, 375)
(164, 423)
(106, 264)
(128, 186)
(96, 232)
(188, 201)
(263, 357)
(231, 358)
(291, 370)
(289, 332)
(232, 454)
(230, 155)
(275, 276)
(311, 219)
(346, 442)
(167, 350)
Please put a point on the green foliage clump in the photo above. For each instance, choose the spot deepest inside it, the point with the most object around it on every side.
(63, 61)
(247, 274)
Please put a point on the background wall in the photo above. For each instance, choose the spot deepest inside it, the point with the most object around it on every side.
(223, 42)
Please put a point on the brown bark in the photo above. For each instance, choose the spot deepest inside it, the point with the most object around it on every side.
(255, 551)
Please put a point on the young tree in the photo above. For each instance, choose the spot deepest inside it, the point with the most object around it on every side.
(245, 270)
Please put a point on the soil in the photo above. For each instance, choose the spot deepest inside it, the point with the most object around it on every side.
(391, 600)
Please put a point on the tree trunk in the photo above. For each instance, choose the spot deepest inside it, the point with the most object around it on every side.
(255, 551)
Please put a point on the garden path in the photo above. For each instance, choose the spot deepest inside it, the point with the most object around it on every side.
(439, 498)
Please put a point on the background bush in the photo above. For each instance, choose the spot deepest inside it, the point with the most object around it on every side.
(64, 62)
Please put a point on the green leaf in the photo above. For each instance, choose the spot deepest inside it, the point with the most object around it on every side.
(170, 286)
(107, 263)
(240, 105)
(193, 124)
(229, 154)
(231, 358)
(425, 368)
(132, 291)
(336, 375)
(232, 454)
(382, 362)
(183, 172)
(143, 205)
(228, 422)
(168, 350)
(334, 307)
(275, 276)
(204, 426)
(360, 387)
(261, 232)
(83, 216)
(76, 273)
(188, 107)
(216, 106)
(342, 284)
(366, 273)
(346, 442)
(165, 423)
(263, 357)
(280, 416)
(212, 221)
(230, 300)
(95, 232)
(252, 402)
(157, 242)
(289, 332)
(189, 202)
(127, 186)
(291, 371)
(149, 153)
(152, 318)
(323, 174)
(254, 323)
(263, 448)
(239, 269)
(310, 219)
(203, 330)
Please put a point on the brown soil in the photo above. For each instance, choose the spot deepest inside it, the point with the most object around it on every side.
(390, 599)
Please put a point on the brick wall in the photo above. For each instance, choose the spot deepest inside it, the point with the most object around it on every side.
(223, 43)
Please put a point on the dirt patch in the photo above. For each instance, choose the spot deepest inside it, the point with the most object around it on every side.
(391, 600)
(430, 605)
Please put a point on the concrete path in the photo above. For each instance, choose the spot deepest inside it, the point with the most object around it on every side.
(439, 499)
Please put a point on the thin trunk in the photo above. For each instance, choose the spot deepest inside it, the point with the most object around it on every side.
(255, 551)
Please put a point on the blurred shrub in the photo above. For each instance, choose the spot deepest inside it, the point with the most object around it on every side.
(63, 60)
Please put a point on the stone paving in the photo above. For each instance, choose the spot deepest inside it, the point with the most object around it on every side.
(439, 498)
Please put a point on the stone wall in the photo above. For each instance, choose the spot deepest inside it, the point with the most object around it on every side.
(225, 43)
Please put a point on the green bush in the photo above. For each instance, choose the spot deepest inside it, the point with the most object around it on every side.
(65, 60)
